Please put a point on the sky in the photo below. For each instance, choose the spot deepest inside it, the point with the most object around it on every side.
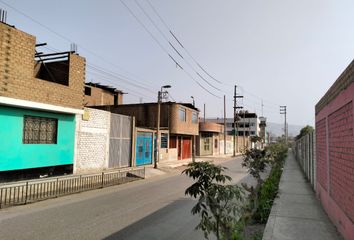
(281, 52)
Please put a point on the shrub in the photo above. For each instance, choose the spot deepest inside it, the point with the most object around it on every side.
(219, 205)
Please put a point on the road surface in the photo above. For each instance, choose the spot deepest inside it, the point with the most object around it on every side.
(154, 208)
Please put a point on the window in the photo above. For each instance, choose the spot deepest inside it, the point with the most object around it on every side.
(164, 137)
(40, 130)
(194, 117)
(87, 91)
(216, 143)
(182, 114)
(206, 144)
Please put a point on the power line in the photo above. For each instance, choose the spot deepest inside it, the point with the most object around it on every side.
(190, 55)
(68, 39)
(163, 48)
(180, 43)
(173, 47)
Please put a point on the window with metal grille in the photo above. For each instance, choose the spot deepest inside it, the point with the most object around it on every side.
(40, 130)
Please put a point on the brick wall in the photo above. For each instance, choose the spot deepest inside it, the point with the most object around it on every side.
(93, 141)
(335, 152)
(341, 158)
(321, 153)
(101, 97)
(17, 80)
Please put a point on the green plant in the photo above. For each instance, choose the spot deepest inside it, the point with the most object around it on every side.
(219, 205)
(304, 131)
(269, 189)
(255, 161)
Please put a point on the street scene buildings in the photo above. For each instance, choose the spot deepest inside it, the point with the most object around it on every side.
(68, 126)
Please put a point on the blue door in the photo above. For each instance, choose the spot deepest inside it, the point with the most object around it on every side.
(143, 148)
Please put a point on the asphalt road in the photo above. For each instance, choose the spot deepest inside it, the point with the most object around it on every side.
(154, 208)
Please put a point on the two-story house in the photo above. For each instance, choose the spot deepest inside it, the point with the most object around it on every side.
(178, 121)
(40, 95)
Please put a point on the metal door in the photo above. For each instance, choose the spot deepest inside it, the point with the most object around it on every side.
(120, 141)
(143, 148)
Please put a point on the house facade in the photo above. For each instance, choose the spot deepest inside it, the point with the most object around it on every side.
(208, 140)
(247, 124)
(40, 98)
(178, 122)
(100, 95)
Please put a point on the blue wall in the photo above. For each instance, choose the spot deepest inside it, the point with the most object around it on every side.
(15, 155)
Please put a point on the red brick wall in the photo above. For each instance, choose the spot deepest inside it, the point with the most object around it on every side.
(321, 153)
(341, 158)
(335, 152)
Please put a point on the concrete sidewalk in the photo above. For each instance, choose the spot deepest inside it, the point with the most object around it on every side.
(297, 214)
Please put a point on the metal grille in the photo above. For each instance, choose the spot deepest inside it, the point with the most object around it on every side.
(120, 146)
(40, 130)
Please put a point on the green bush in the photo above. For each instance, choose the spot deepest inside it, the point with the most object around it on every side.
(269, 189)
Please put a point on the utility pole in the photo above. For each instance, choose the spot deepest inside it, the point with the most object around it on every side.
(283, 111)
(235, 118)
(204, 112)
(224, 124)
(194, 138)
(160, 95)
(244, 129)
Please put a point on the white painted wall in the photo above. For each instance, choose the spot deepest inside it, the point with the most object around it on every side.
(92, 144)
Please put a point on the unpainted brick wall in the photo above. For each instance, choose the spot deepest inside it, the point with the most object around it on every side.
(17, 80)
(93, 141)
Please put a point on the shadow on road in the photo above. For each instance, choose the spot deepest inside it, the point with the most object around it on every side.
(174, 221)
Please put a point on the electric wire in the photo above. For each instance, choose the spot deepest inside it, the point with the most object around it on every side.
(173, 47)
(164, 49)
(68, 39)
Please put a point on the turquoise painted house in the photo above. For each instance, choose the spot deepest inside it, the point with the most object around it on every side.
(34, 139)
(41, 96)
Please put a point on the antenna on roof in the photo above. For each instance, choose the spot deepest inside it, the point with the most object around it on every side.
(3, 15)
(73, 47)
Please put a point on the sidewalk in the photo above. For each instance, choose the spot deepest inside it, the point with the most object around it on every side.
(297, 214)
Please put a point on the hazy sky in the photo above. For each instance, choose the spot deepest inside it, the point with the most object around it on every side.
(286, 52)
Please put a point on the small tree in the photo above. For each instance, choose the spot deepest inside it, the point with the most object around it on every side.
(219, 205)
(304, 131)
(256, 161)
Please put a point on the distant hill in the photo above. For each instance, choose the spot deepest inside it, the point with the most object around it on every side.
(277, 129)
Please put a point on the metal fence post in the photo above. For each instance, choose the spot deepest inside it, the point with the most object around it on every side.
(0, 198)
(26, 196)
(102, 180)
(57, 188)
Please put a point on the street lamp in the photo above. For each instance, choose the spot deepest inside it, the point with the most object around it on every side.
(159, 100)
